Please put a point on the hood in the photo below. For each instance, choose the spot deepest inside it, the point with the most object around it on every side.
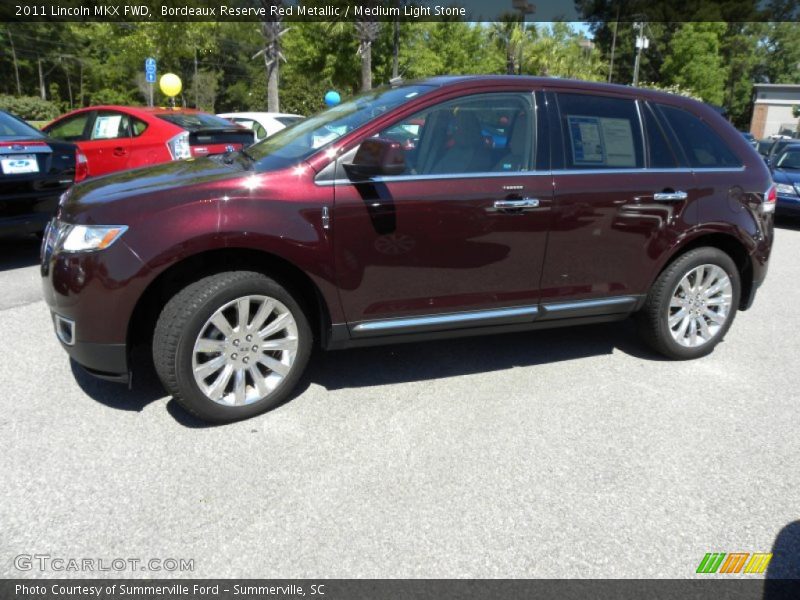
(135, 190)
(785, 175)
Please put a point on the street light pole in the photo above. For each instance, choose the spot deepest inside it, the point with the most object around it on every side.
(641, 44)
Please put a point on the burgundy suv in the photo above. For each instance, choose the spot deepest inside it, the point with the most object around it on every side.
(448, 207)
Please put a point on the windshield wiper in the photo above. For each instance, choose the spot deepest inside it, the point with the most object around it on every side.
(247, 155)
(227, 157)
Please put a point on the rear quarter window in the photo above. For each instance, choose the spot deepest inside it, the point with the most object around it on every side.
(703, 146)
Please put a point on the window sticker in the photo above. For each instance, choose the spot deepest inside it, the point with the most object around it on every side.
(587, 140)
(601, 141)
(618, 138)
(106, 127)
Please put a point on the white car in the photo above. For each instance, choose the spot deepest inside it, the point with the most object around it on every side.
(263, 124)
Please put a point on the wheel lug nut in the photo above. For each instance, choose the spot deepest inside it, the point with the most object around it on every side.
(249, 338)
(255, 348)
(234, 356)
(245, 360)
(235, 342)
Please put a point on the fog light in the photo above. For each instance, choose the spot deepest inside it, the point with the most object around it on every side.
(65, 329)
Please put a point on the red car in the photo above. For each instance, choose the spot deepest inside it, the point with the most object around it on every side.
(114, 138)
(593, 202)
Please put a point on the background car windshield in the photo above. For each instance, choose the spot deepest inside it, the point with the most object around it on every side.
(306, 137)
(789, 160)
(13, 128)
(195, 121)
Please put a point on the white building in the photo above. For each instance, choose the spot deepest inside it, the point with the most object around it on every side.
(772, 112)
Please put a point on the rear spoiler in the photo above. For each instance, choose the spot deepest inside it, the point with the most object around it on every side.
(221, 135)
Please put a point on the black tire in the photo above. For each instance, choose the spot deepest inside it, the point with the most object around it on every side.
(653, 317)
(181, 322)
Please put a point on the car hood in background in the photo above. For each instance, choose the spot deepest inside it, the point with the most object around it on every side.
(785, 176)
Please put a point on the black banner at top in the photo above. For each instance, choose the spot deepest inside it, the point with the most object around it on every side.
(403, 10)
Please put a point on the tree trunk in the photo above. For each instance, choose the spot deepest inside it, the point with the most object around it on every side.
(396, 50)
(69, 84)
(16, 66)
(42, 89)
(273, 78)
(366, 67)
(367, 31)
(272, 31)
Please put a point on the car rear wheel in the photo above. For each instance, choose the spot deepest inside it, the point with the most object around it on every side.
(231, 345)
(692, 304)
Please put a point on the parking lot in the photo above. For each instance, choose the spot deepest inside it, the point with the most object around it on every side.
(562, 453)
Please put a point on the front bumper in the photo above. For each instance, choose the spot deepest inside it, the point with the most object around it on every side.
(92, 296)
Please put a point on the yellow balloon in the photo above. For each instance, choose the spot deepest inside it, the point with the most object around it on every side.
(170, 84)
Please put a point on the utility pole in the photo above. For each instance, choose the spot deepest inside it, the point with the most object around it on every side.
(524, 8)
(613, 48)
(642, 43)
(14, 58)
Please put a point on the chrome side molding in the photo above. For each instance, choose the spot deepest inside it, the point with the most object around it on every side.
(498, 316)
(519, 314)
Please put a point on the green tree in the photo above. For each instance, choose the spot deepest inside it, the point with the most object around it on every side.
(561, 51)
(694, 61)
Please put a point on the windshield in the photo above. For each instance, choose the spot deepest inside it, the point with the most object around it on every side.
(196, 121)
(305, 137)
(13, 128)
(789, 160)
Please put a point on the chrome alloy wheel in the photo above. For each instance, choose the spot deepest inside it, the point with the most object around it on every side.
(245, 350)
(700, 305)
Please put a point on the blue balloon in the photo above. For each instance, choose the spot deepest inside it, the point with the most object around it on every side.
(332, 98)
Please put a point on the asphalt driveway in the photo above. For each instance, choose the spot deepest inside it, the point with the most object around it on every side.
(562, 453)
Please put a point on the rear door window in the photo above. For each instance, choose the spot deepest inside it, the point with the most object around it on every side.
(701, 144)
(600, 132)
(110, 125)
(71, 129)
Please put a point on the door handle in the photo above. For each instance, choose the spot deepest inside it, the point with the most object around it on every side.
(119, 151)
(521, 204)
(670, 196)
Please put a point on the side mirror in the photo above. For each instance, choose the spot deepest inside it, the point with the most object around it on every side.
(377, 156)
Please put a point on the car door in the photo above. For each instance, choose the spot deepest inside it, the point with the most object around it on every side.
(108, 146)
(621, 198)
(458, 239)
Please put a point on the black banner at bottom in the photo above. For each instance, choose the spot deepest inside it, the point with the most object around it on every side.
(405, 589)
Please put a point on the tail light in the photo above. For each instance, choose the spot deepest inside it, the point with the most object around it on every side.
(81, 166)
(770, 199)
(178, 146)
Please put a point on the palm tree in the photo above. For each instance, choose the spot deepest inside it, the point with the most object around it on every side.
(367, 31)
(272, 30)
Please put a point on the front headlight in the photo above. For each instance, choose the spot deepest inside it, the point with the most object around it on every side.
(84, 238)
(785, 188)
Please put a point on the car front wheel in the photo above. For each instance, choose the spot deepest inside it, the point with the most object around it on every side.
(692, 304)
(231, 345)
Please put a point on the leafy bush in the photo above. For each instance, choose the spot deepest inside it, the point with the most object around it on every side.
(672, 89)
(30, 107)
(303, 95)
(106, 96)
